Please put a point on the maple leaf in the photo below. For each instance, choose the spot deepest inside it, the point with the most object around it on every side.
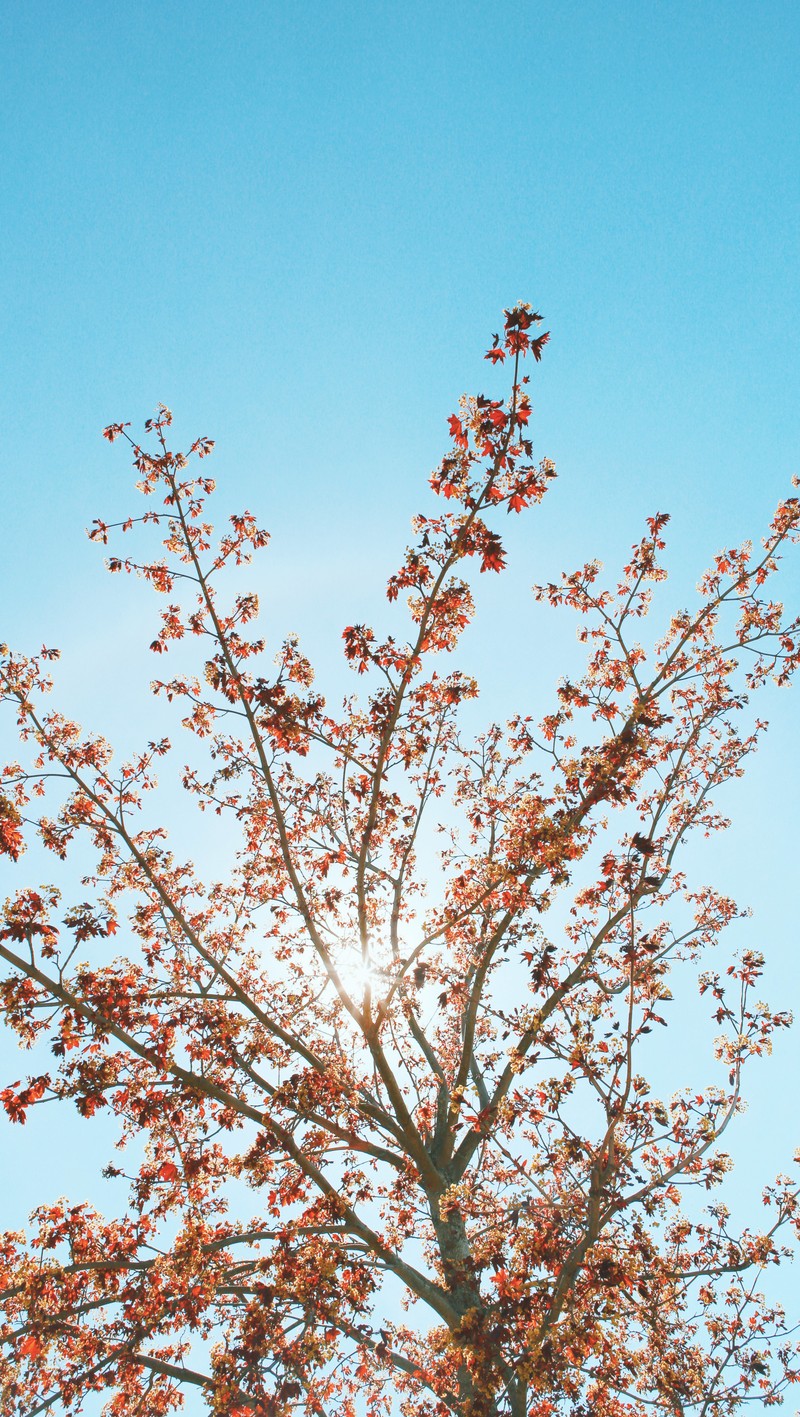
(30, 1347)
(538, 344)
(457, 431)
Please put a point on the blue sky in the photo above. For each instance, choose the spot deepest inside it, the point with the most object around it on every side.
(298, 224)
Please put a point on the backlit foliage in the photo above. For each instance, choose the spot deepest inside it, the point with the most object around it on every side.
(388, 1140)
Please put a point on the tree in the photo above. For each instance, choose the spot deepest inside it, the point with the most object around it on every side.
(428, 1093)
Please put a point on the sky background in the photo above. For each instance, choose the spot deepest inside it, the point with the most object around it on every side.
(297, 225)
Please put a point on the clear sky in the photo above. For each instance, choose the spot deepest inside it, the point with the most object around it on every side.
(297, 224)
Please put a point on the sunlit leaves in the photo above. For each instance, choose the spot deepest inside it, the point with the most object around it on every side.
(346, 1064)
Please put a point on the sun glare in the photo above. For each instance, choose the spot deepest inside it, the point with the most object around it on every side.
(358, 973)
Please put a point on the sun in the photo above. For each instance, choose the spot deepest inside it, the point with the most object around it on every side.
(358, 972)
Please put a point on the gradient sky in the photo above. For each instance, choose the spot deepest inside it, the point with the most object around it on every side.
(297, 224)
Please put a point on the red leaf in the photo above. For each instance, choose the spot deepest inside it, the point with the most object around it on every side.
(31, 1346)
(11, 842)
(457, 431)
(537, 345)
(113, 430)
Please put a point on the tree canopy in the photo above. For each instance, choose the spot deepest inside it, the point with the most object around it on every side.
(387, 1139)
